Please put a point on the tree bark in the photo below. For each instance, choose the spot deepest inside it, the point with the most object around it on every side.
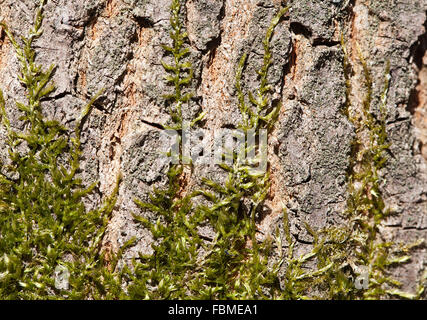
(116, 45)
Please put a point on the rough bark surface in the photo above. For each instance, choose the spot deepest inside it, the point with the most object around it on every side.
(116, 45)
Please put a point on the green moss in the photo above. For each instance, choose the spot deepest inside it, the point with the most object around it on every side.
(183, 265)
(235, 265)
(43, 219)
(366, 207)
(181, 71)
(359, 244)
(240, 263)
(171, 272)
(44, 223)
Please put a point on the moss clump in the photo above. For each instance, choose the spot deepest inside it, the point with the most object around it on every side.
(180, 72)
(366, 207)
(43, 220)
(238, 266)
(358, 249)
(183, 265)
(170, 272)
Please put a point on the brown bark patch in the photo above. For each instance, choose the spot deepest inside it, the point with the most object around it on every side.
(111, 8)
(214, 86)
(418, 106)
(4, 52)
